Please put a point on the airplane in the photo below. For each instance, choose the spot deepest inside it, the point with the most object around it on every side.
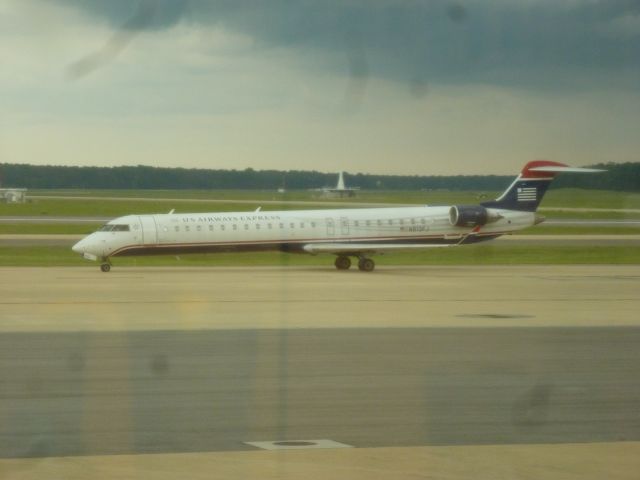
(346, 233)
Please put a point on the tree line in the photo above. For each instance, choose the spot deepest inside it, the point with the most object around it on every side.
(621, 177)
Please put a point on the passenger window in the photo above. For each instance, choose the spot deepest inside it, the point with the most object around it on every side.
(177, 228)
(186, 228)
(292, 225)
(313, 224)
(246, 226)
(368, 223)
(199, 227)
(257, 226)
(301, 224)
(211, 228)
(235, 227)
(379, 223)
(282, 225)
(222, 227)
(413, 221)
(269, 226)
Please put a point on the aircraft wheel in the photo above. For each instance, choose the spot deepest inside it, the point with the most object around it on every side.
(105, 267)
(342, 263)
(366, 265)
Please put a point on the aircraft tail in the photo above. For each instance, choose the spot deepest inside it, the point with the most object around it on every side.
(527, 190)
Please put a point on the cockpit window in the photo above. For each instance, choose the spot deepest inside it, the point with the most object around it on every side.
(114, 228)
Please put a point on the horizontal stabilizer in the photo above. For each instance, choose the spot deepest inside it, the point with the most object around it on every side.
(558, 169)
(356, 248)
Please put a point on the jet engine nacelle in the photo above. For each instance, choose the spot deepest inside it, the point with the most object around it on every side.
(471, 215)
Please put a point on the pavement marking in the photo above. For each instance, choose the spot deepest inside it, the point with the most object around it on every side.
(505, 316)
(298, 444)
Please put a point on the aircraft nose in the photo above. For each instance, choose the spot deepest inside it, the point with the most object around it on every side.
(78, 247)
(88, 248)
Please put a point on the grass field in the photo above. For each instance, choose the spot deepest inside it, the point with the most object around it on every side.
(578, 198)
(381, 196)
(118, 208)
(543, 229)
(47, 228)
(566, 197)
(127, 202)
(464, 255)
(589, 215)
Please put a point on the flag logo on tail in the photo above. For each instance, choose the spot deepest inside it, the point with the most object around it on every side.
(527, 194)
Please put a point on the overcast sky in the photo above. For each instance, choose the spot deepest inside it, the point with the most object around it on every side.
(374, 86)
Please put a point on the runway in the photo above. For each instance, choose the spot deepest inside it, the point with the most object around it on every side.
(414, 367)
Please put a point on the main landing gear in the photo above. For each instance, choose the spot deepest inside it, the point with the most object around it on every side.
(365, 264)
(342, 262)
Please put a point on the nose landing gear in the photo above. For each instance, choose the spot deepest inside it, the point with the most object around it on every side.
(105, 266)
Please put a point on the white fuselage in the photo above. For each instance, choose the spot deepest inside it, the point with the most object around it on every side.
(286, 230)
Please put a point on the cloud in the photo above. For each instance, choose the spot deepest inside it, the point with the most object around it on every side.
(377, 86)
(142, 17)
(132, 15)
(530, 44)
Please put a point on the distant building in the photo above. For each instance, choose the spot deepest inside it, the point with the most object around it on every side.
(13, 195)
(340, 190)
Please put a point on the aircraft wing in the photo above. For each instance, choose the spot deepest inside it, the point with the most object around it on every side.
(355, 248)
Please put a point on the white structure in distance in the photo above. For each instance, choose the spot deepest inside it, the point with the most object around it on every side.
(13, 195)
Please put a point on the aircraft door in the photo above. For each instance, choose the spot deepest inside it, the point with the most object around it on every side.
(149, 230)
(331, 227)
(167, 232)
(136, 231)
(344, 226)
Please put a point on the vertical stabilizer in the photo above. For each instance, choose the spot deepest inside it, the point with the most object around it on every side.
(527, 190)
